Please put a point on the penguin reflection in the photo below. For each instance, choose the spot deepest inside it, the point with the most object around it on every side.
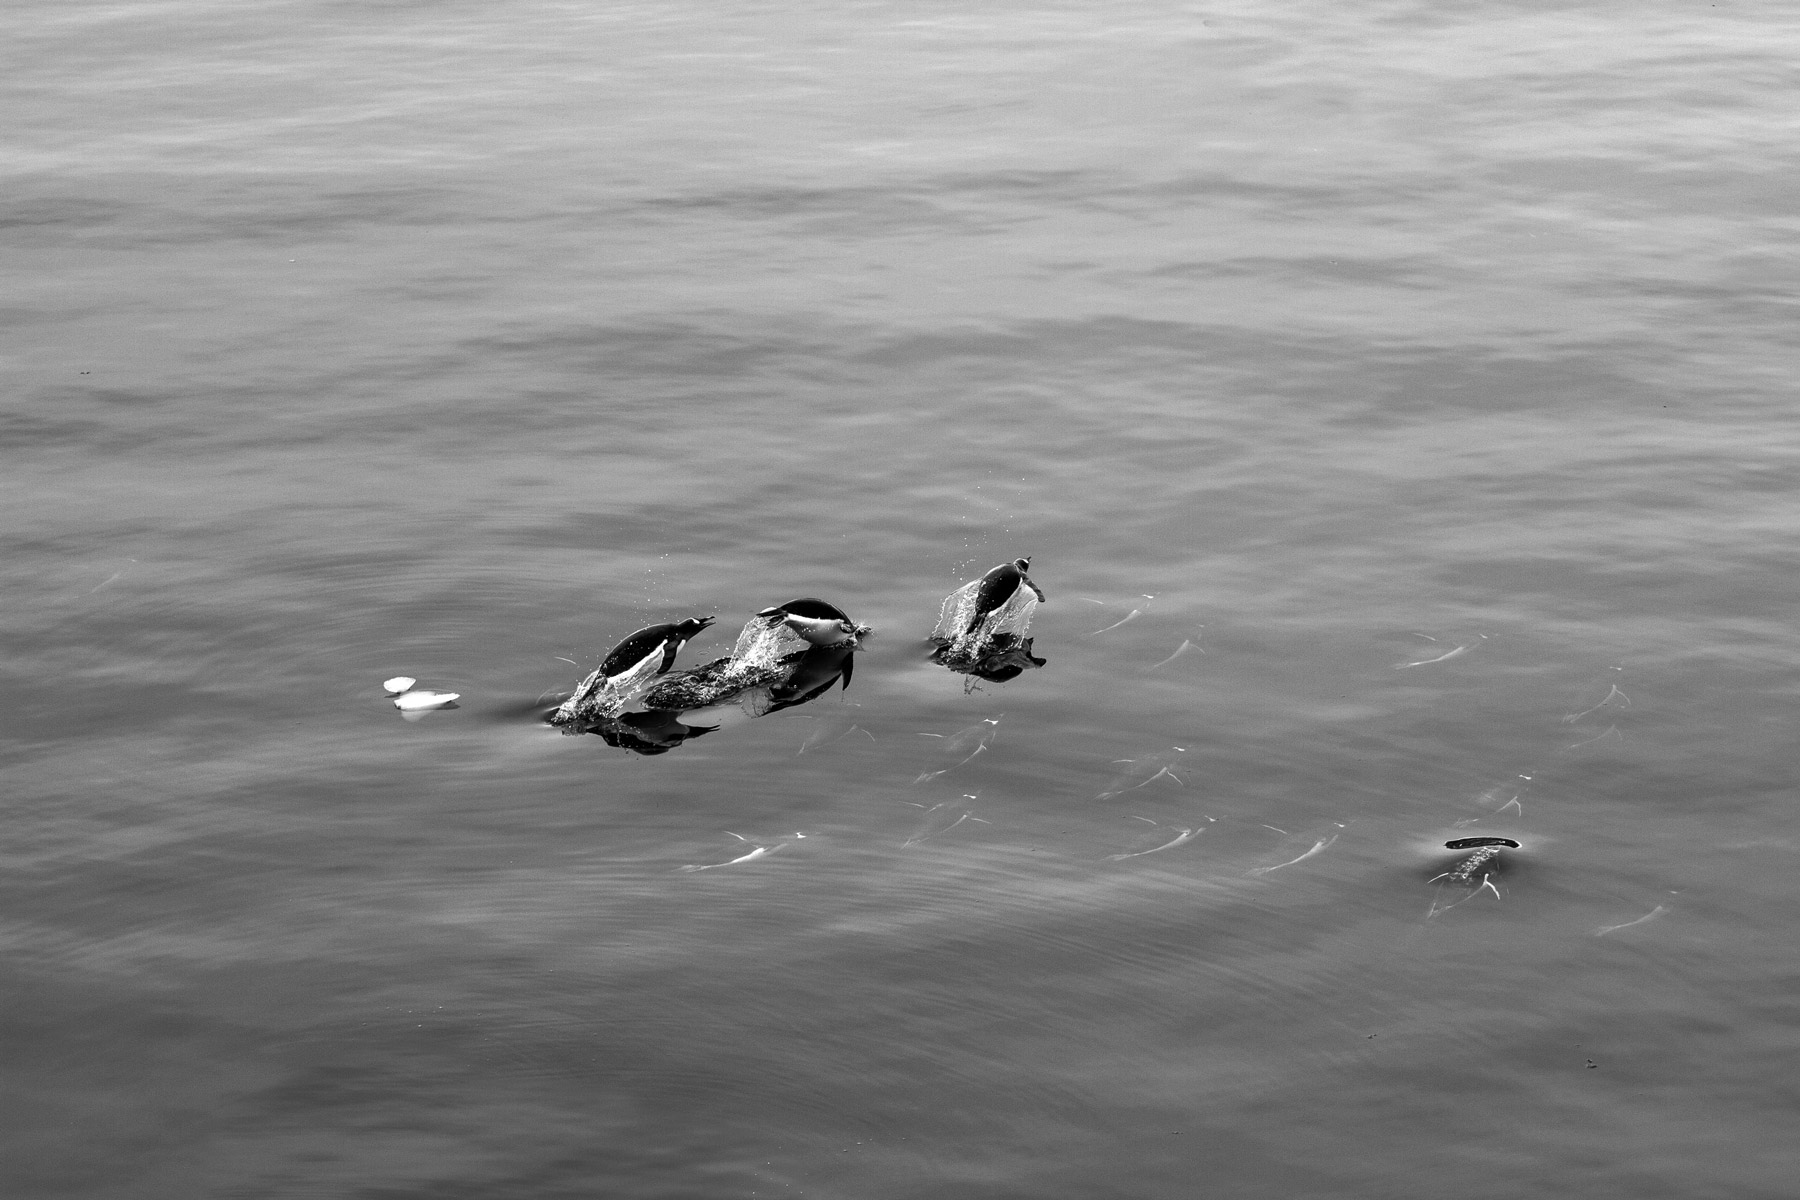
(1006, 657)
(821, 667)
(831, 657)
(650, 732)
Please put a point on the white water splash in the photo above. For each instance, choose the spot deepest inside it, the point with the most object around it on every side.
(958, 610)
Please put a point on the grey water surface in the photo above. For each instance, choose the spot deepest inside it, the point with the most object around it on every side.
(1421, 376)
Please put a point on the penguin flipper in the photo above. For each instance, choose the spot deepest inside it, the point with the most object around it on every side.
(849, 666)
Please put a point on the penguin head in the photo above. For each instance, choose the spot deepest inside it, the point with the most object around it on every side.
(692, 626)
(1022, 564)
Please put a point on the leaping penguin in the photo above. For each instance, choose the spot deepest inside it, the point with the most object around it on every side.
(645, 654)
(999, 586)
(820, 630)
(640, 648)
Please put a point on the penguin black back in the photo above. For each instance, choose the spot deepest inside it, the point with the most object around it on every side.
(808, 606)
(999, 586)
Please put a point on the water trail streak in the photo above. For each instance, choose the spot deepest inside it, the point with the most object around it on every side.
(1317, 846)
(1132, 615)
(1185, 836)
(1426, 662)
(1185, 646)
(1658, 911)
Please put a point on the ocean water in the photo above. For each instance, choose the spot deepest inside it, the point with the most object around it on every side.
(1396, 399)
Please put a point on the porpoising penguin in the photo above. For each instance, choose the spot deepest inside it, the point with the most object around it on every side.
(819, 630)
(653, 641)
(999, 586)
(645, 654)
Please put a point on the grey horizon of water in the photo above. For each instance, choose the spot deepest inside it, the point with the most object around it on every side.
(347, 342)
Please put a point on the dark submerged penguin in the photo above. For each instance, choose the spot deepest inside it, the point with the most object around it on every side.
(650, 732)
(1008, 658)
(1473, 843)
(1485, 858)
(652, 641)
(999, 586)
(817, 670)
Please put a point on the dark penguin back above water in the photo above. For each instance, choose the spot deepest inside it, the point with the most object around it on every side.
(811, 606)
(999, 586)
(664, 640)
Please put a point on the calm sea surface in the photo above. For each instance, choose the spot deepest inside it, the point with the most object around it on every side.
(1299, 343)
